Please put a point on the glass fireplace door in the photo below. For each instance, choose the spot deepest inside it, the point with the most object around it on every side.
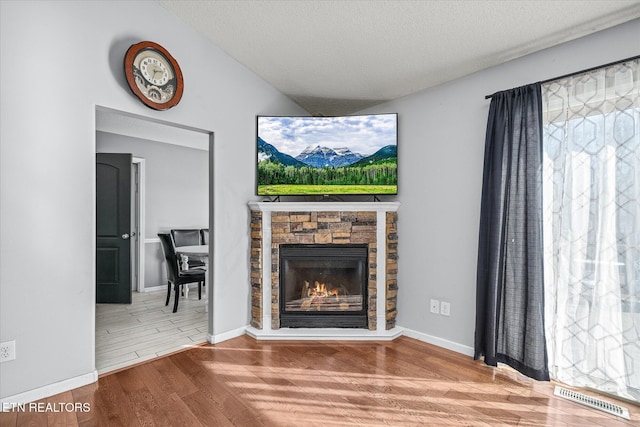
(323, 285)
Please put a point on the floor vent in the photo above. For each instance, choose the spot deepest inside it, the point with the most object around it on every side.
(593, 402)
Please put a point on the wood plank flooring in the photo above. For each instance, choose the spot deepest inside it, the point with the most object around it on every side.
(244, 382)
(127, 334)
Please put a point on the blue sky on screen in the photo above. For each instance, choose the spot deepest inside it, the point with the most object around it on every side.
(362, 134)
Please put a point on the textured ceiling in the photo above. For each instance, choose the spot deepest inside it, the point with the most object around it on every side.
(338, 57)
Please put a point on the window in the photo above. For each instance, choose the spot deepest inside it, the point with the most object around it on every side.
(591, 225)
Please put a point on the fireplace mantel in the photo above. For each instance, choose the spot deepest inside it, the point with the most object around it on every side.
(273, 223)
(324, 206)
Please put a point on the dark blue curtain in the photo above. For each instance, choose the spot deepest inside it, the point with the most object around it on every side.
(510, 293)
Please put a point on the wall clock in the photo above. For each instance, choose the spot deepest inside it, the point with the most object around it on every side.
(153, 75)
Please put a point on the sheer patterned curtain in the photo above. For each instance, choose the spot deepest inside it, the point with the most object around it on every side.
(591, 193)
(510, 298)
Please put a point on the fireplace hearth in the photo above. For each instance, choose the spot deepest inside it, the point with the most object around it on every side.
(323, 286)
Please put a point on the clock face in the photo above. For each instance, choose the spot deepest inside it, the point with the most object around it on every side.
(154, 70)
(153, 75)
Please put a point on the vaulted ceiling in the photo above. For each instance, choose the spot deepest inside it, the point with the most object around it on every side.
(338, 57)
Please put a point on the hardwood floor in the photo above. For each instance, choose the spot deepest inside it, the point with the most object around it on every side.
(244, 382)
(127, 334)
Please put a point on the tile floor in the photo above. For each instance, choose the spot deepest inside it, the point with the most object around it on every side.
(129, 334)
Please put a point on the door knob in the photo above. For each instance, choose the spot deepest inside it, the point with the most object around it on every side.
(125, 236)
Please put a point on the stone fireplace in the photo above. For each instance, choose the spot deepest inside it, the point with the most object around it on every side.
(323, 270)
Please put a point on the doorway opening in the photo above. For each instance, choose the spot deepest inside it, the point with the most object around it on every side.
(119, 343)
(137, 223)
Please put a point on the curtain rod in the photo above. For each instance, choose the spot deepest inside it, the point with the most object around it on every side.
(633, 58)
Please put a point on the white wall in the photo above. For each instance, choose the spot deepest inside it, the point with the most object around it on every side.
(176, 192)
(441, 149)
(59, 61)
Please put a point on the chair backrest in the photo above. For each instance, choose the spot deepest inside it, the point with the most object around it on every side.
(171, 260)
(186, 237)
(204, 236)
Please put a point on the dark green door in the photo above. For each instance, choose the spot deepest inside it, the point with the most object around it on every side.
(113, 228)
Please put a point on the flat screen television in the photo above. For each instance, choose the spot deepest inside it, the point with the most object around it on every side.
(345, 155)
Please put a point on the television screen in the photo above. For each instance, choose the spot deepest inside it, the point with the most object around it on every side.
(327, 155)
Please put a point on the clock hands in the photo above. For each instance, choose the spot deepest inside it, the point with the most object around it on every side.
(153, 70)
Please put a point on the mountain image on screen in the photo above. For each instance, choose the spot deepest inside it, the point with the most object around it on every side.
(342, 155)
(269, 152)
(385, 153)
(321, 157)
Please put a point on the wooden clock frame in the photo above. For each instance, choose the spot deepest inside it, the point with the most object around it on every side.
(129, 59)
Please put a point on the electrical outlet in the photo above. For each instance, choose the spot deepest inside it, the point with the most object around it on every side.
(435, 306)
(7, 351)
(445, 308)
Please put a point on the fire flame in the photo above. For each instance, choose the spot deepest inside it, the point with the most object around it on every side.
(322, 295)
(319, 290)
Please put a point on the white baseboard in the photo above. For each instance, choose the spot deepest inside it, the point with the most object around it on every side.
(218, 338)
(440, 342)
(346, 334)
(48, 390)
(156, 288)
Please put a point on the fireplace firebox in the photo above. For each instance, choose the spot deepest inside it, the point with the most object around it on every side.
(323, 286)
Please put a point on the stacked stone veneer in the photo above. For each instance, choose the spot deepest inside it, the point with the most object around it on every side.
(332, 227)
(391, 236)
(256, 269)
